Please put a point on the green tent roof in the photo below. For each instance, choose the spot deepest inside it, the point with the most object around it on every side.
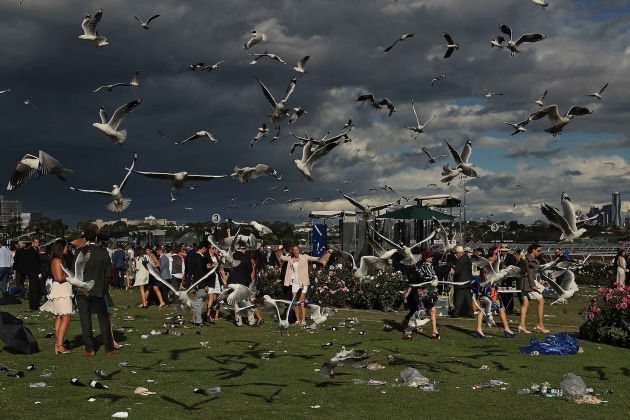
(416, 213)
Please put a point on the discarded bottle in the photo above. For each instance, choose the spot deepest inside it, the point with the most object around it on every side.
(38, 385)
(76, 382)
(438, 381)
(523, 391)
(214, 390)
(123, 364)
(99, 372)
(31, 367)
(18, 374)
(199, 391)
(98, 385)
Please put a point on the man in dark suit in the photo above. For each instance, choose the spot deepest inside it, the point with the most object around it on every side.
(99, 269)
(462, 272)
(27, 264)
(197, 266)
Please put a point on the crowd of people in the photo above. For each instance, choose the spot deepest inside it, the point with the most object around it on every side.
(471, 294)
(126, 267)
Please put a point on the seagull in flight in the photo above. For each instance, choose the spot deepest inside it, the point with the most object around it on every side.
(119, 203)
(279, 108)
(517, 185)
(512, 45)
(542, 3)
(182, 295)
(246, 173)
(300, 65)
(178, 178)
(409, 258)
(268, 55)
(135, 81)
(437, 78)
(311, 155)
(110, 127)
(76, 278)
(566, 222)
(419, 129)
(283, 323)
(5, 91)
(212, 67)
(199, 134)
(144, 24)
(366, 210)
(28, 102)
(497, 42)
(462, 160)
(558, 122)
(494, 272)
(449, 173)
(297, 113)
(319, 315)
(432, 159)
(402, 38)
(488, 93)
(262, 131)
(254, 38)
(518, 127)
(450, 45)
(598, 95)
(377, 104)
(195, 66)
(89, 29)
(31, 165)
(540, 102)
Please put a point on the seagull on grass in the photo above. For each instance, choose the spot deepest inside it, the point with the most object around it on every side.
(110, 127)
(512, 45)
(565, 221)
(89, 29)
(31, 165)
(558, 122)
(144, 24)
(283, 323)
(119, 203)
(319, 315)
(419, 128)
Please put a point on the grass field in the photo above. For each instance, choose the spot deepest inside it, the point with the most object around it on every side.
(287, 385)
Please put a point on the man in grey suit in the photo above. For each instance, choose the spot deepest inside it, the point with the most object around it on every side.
(99, 269)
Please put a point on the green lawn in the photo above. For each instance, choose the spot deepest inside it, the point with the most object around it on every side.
(288, 385)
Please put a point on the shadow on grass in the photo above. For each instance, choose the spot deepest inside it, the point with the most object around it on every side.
(326, 383)
(268, 400)
(597, 369)
(186, 407)
(111, 397)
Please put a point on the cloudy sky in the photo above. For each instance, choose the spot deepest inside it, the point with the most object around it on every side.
(586, 46)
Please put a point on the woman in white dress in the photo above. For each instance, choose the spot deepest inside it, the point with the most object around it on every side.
(60, 298)
(214, 284)
(622, 269)
(296, 276)
(142, 275)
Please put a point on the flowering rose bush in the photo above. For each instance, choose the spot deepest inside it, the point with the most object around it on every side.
(383, 292)
(331, 286)
(595, 272)
(607, 318)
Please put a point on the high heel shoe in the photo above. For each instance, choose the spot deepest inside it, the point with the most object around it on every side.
(61, 349)
(479, 335)
(508, 334)
(523, 330)
(537, 328)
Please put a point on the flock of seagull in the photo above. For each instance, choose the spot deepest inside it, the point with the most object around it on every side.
(313, 149)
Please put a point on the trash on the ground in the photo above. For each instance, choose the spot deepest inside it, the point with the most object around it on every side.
(412, 377)
(98, 385)
(76, 382)
(315, 406)
(490, 384)
(376, 382)
(121, 414)
(143, 391)
(358, 381)
(123, 364)
(38, 385)
(484, 367)
(375, 366)
(523, 391)
(91, 399)
(429, 388)
(552, 344)
(31, 367)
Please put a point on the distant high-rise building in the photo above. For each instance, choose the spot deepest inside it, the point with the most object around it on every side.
(9, 210)
(606, 214)
(615, 217)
